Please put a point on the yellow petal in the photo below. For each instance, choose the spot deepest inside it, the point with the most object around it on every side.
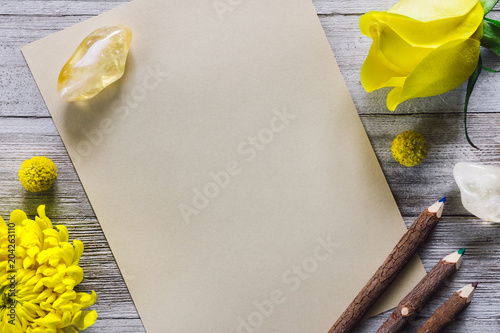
(31, 306)
(33, 251)
(60, 288)
(390, 60)
(18, 216)
(66, 319)
(76, 308)
(87, 319)
(444, 69)
(70, 294)
(21, 312)
(76, 272)
(54, 261)
(426, 10)
(51, 233)
(70, 329)
(3, 225)
(51, 319)
(41, 213)
(46, 281)
(34, 280)
(29, 274)
(41, 223)
(33, 226)
(87, 300)
(67, 253)
(425, 34)
(27, 262)
(20, 252)
(63, 233)
(69, 282)
(59, 302)
(51, 298)
(50, 271)
(376, 72)
(78, 251)
(76, 317)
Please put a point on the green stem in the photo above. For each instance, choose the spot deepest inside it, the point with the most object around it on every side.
(470, 87)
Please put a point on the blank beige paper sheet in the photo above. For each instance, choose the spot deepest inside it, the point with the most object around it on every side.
(228, 168)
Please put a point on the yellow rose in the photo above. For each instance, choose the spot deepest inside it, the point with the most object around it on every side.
(421, 47)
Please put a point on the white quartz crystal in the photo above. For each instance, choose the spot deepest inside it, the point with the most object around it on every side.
(480, 189)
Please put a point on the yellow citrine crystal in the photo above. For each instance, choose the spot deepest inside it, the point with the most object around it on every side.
(97, 62)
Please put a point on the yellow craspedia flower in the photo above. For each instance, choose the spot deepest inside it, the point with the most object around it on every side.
(409, 148)
(421, 47)
(37, 174)
(38, 273)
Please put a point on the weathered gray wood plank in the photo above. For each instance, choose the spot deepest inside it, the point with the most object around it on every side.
(117, 326)
(95, 7)
(20, 96)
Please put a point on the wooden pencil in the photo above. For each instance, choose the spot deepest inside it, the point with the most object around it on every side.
(395, 262)
(449, 310)
(422, 292)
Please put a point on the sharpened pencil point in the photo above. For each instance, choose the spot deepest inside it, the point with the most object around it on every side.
(461, 251)
(437, 207)
(475, 284)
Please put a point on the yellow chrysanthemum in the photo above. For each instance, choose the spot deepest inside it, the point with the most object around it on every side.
(37, 174)
(38, 272)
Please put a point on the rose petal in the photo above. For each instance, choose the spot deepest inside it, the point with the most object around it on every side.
(390, 60)
(427, 10)
(444, 69)
(424, 34)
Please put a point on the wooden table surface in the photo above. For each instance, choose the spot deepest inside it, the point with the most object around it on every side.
(27, 130)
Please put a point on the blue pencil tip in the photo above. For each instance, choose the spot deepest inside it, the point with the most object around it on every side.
(443, 200)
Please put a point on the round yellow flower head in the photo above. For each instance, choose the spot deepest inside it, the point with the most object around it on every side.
(38, 174)
(38, 272)
(409, 148)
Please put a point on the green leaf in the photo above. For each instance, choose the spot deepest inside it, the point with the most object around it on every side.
(488, 5)
(491, 35)
(490, 70)
(470, 87)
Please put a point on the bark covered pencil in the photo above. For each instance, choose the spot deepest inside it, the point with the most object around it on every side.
(395, 262)
(422, 292)
(449, 310)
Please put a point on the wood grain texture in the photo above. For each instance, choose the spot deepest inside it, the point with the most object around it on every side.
(26, 129)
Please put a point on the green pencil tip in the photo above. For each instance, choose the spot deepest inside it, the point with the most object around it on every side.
(461, 251)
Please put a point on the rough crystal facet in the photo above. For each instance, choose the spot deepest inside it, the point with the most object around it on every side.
(480, 189)
(97, 62)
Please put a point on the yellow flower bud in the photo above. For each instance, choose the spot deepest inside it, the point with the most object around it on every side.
(38, 174)
(409, 148)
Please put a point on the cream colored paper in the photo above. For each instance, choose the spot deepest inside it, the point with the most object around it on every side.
(228, 167)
